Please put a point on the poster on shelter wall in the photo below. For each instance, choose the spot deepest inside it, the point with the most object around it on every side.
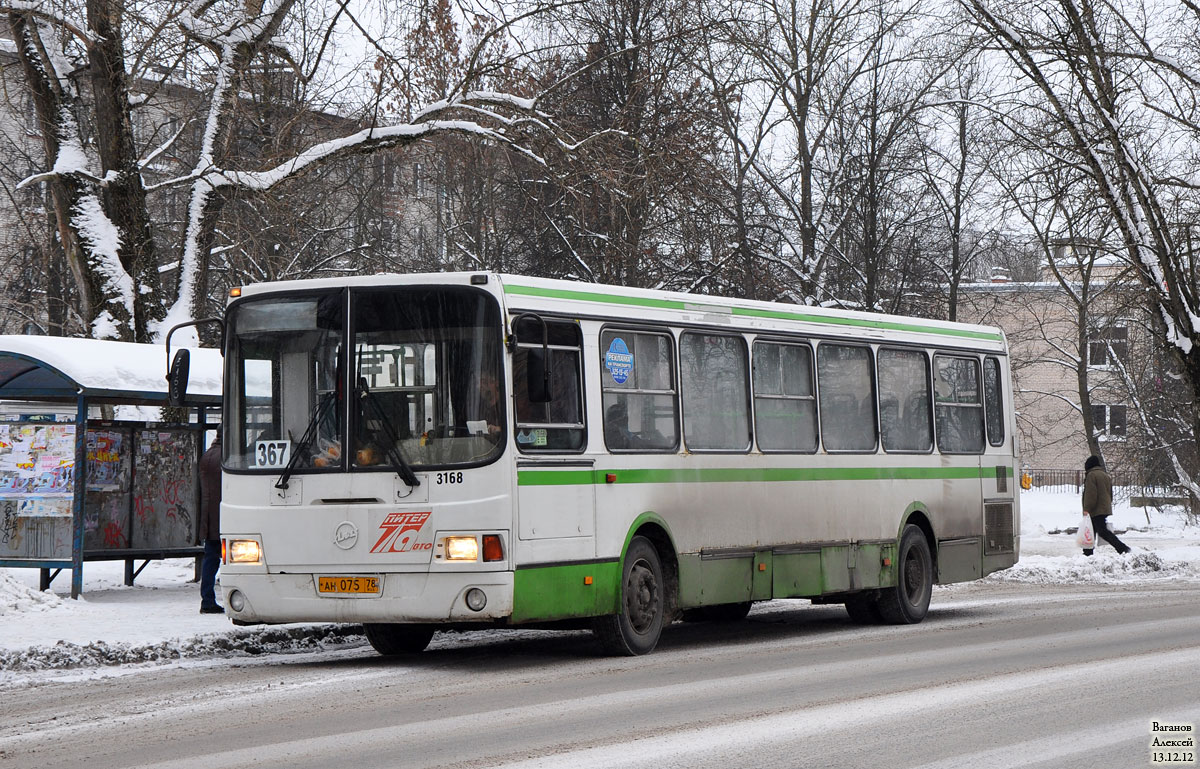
(37, 459)
(37, 483)
(108, 462)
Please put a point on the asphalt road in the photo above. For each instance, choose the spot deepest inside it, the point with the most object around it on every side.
(997, 676)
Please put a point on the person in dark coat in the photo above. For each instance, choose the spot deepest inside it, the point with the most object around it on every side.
(210, 526)
(1097, 502)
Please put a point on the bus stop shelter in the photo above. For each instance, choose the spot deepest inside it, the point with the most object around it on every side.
(75, 487)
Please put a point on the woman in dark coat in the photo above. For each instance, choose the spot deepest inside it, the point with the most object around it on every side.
(210, 526)
(1097, 502)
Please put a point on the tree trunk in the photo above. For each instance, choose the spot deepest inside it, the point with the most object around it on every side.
(124, 197)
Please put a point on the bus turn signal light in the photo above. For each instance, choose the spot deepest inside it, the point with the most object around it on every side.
(492, 549)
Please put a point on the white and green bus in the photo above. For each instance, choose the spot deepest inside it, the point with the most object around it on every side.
(415, 452)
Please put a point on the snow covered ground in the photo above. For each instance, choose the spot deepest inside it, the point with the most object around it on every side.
(158, 620)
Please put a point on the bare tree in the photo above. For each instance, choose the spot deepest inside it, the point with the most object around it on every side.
(954, 161)
(808, 58)
(749, 257)
(1110, 82)
(628, 208)
(881, 202)
(100, 201)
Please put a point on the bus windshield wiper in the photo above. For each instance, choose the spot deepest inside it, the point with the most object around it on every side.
(310, 434)
(402, 468)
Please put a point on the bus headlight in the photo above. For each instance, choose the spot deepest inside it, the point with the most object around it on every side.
(244, 551)
(462, 549)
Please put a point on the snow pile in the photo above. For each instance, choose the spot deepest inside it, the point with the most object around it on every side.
(1165, 542)
(1105, 567)
(243, 643)
(18, 598)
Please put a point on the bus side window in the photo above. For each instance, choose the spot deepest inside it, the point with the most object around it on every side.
(557, 425)
(959, 405)
(904, 381)
(993, 401)
(638, 392)
(785, 404)
(846, 392)
(716, 404)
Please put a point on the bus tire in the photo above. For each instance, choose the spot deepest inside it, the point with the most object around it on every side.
(908, 602)
(390, 639)
(725, 612)
(637, 628)
(863, 608)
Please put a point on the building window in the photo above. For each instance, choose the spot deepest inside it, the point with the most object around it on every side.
(1109, 422)
(1108, 344)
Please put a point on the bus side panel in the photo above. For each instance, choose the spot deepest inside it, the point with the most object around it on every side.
(958, 560)
(869, 571)
(566, 591)
(712, 581)
(797, 575)
(561, 509)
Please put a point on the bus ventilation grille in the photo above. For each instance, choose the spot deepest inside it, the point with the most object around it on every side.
(998, 527)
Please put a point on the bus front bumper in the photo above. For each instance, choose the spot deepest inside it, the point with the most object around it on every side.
(402, 597)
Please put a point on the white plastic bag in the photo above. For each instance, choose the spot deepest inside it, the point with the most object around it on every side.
(1085, 536)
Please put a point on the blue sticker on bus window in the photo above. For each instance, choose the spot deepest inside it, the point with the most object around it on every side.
(618, 360)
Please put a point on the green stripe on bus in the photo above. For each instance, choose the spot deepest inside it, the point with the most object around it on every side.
(749, 312)
(753, 475)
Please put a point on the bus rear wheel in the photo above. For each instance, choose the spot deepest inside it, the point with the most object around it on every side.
(637, 628)
(390, 639)
(908, 602)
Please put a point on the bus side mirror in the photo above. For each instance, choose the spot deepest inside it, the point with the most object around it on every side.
(537, 376)
(177, 372)
(177, 377)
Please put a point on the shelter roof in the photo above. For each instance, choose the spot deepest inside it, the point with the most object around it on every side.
(55, 368)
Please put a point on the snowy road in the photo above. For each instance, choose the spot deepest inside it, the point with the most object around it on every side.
(999, 675)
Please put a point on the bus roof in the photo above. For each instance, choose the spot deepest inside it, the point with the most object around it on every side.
(579, 299)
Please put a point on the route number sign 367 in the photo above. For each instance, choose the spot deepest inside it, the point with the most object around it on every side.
(272, 453)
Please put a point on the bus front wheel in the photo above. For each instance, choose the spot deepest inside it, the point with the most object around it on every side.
(908, 602)
(637, 628)
(390, 639)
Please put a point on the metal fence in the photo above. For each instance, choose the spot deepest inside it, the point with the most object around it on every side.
(1125, 486)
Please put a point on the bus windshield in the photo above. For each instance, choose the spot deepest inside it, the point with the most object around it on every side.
(422, 372)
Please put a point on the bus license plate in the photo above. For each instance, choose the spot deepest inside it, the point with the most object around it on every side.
(348, 585)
